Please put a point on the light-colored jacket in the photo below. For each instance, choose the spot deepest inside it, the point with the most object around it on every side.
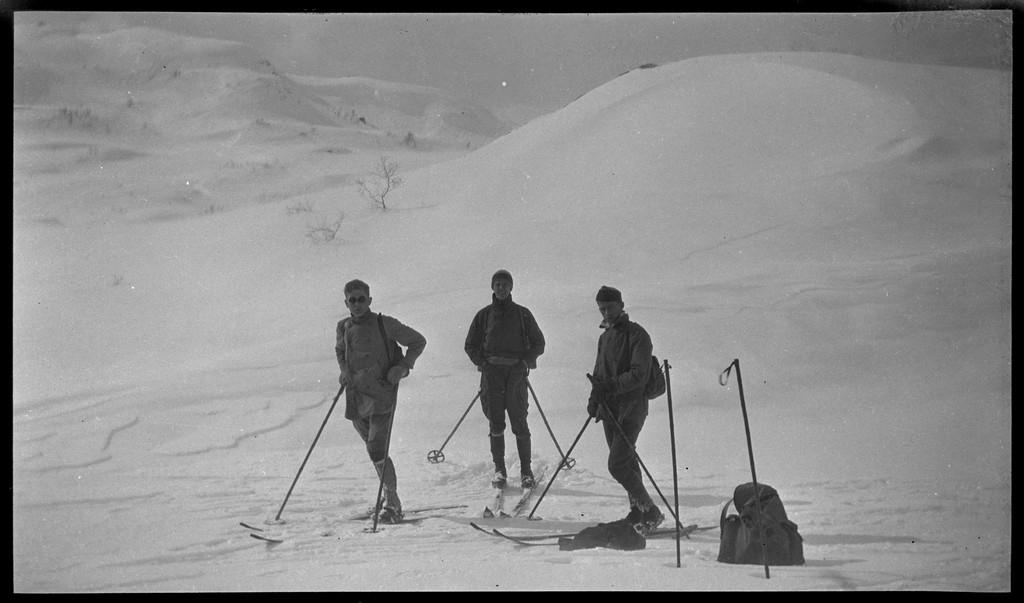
(363, 360)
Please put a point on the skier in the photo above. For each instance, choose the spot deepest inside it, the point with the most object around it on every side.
(617, 386)
(504, 342)
(371, 381)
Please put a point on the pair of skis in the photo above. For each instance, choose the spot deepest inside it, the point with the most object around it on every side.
(496, 507)
(271, 538)
(539, 539)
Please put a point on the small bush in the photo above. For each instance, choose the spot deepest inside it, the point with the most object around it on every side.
(324, 230)
(302, 207)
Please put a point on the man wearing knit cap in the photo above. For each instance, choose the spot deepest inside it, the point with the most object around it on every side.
(620, 373)
(504, 342)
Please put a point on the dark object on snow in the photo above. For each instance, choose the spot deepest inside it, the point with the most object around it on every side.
(741, 538)
(619, 535)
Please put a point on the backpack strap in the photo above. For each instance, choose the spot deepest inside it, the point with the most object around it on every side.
(725, 509)
(384, 335)
(344, 336)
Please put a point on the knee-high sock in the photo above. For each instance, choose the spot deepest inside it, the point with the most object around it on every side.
(498, 451)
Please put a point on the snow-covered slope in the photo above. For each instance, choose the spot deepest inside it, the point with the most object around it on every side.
(842, 226)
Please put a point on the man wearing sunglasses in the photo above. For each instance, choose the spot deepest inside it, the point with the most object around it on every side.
(504, 342)
(372, 364)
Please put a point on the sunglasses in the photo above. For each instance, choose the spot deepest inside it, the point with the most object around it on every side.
(357, 300)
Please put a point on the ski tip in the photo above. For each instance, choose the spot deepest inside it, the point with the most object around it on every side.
(269, 541)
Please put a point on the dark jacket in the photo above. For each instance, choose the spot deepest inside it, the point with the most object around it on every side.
(507, 330)
(623, 360)
(363, 361)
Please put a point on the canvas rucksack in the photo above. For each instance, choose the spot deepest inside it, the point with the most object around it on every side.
(655, 385)
(741, 534)
(655, 380)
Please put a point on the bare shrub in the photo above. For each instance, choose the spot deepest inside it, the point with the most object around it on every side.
(379, 183)
(324, 230)
(302, 207)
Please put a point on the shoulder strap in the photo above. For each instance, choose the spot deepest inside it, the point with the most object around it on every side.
(344, 334)
(522, 323)
(384, 335)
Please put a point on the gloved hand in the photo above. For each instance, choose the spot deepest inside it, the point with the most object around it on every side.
(396, 374)
(341, 379)
(598, 394)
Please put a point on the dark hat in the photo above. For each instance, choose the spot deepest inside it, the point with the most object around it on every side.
(608, 294)
(502, 274)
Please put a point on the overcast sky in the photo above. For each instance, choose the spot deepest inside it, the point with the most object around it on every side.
(548, 60)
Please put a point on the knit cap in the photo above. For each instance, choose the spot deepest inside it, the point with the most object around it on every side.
(609, 294)
(502, 274)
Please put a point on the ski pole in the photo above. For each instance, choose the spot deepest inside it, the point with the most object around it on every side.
(675, 471)
(723, 378)
(568, 462)
(384, 469)
(437, 456)
(633, 447)
(277, 519)
(559, 468)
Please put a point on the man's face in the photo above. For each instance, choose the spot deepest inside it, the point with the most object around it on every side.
(610, 310)
(358, 302)
(501, 288)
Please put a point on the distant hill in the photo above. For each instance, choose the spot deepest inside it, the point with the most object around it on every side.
(176, 84)
(425, 111)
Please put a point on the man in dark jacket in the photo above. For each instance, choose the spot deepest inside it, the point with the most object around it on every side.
(617, 387)
(372, 364)
(504, 342)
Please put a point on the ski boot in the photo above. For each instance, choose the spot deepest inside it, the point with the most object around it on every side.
(651, 519)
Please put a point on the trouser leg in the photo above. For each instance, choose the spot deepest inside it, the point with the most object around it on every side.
(517, 404)
(493, 385)
(622, 461)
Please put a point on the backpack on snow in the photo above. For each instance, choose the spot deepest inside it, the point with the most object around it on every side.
(619, 535)
(741, 534)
